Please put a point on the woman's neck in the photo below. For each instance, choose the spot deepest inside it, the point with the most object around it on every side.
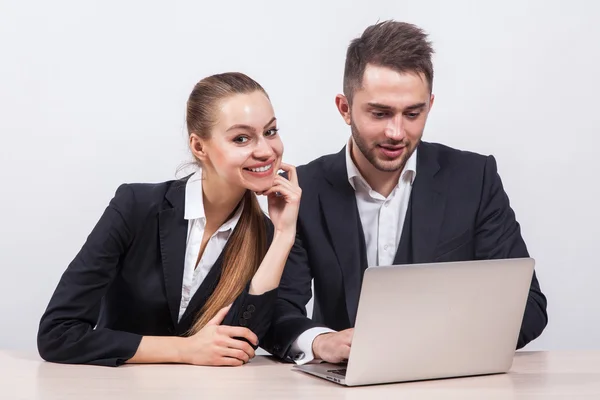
(220, 200)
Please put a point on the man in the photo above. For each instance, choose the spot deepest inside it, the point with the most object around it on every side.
(387, 198)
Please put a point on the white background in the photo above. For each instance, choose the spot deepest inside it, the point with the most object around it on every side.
(92, 94)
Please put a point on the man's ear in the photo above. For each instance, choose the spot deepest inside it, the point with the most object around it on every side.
(343, 106)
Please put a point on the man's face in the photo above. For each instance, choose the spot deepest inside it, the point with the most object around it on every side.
(388, 115)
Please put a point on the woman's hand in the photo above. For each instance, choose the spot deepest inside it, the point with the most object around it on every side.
(215, 344)
(284, 201)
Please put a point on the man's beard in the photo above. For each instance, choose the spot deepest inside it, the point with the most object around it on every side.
(371, 153)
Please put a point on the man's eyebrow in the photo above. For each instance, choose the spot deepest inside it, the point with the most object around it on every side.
(415, 106)
(381, 106)
(385, 107)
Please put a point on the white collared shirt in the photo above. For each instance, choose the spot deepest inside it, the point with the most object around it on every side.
(193, 274)
(382, 220)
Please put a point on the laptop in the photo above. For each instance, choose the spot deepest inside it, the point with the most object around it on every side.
(431, 321)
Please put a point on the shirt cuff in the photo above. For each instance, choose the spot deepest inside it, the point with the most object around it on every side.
(301, 350)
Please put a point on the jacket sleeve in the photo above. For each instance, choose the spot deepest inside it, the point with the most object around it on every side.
(498, 235)
(289, 316)
(67, 331)
(255, 311)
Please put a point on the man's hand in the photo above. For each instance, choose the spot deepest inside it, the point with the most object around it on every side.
(333, 347)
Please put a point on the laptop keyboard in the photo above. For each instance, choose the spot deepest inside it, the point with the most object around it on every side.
(341, 372)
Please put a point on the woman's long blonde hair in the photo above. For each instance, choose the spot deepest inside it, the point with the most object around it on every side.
(247, 245)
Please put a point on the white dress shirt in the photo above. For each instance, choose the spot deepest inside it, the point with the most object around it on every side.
(382, 220)
(193, 274)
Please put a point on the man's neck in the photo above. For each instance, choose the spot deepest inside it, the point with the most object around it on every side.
(382, 182)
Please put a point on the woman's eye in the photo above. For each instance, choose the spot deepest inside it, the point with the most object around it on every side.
(240, 139)
(271, 132)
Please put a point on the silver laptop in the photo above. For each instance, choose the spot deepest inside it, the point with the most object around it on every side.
(430, 321)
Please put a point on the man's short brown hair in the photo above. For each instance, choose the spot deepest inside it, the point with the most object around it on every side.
(400, 46)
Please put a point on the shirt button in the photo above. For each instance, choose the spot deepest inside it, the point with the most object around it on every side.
(385, 247)
(387, 204)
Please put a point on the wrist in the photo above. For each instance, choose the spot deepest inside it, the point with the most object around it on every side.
(285, 237)
(180, 350)
(316, 346)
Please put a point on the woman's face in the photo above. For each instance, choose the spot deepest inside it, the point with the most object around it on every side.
(244, 148)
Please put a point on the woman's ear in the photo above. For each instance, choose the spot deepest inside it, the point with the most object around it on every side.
(197, 146)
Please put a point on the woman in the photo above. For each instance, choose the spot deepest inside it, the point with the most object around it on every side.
(185, 271)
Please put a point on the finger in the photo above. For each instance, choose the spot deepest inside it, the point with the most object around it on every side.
(287, 193)
(292, 183)
(291, 170)
(235, 353)
(218, 318)
(229, 362)
(239, 331)
(242, 346)
(347, 336)
(280, 180)
(344, 352)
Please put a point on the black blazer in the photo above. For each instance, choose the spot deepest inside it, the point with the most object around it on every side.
(126, 282)
(458, 211)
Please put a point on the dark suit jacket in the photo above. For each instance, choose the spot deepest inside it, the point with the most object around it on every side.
(126, 282)
(458, 211)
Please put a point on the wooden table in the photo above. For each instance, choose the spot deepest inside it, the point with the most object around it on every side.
(534, 375)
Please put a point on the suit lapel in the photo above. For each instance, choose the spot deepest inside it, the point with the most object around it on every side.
(404, 250)
(428, 203)
(173, 234)
(338, 203)
(207, 287)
